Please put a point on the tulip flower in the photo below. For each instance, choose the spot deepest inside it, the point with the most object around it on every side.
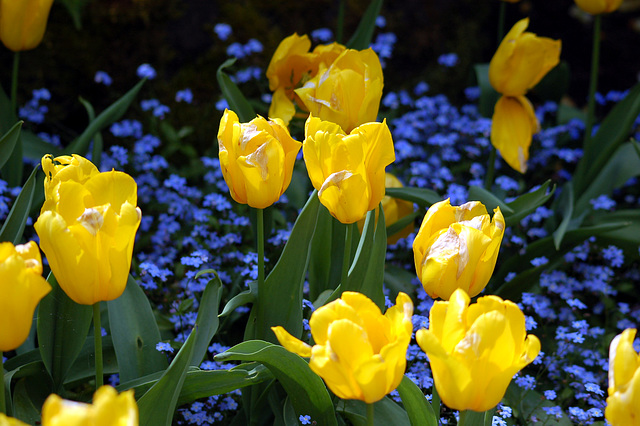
(360, 353)
(474, 351)
(597, 7)
(256, 158)
(108, 409)
(457, 247)
(10, 421)
(347, 92)
(347, 169)
(87, 227)
(623, 403)
(22, 287)
(23, 22)
(521, 61)
(291, 65)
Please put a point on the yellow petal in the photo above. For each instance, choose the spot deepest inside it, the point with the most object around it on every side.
(346, 195)
(514, 123)
(281, 106)
(23, 23)
(290, 343)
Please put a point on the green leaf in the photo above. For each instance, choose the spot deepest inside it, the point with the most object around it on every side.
(421, 196)
(566, 204)
(554, 85)
(415, 403)
(158, 404)
(386, 412)
(627, 237)
(62, 330)
(490, 201)
(488, 95)
(36, 148)
(107, 117)
(361, 39)
(29, 395)
(96, 153)
(75, 8)
(306, 390)
(84, 367)
(135, 333)
(327, 252)
(528, 403)
(16, 220)
(398, 226)
(8, 142)
(280, 301)
(397, 279)
(528, 203)
(243, 298)
(236, 100)
(207, 318)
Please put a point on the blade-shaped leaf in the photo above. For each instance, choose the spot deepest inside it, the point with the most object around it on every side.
(490, 201)
(243, 298)
(16, 220)
(415, 403)
(35, 148)
(207, 318)
(361, 39)
(236, 100)
(8, 142)
(567, 213)
(386, 412)
(421, 196)
(327, 252)
(527, 203)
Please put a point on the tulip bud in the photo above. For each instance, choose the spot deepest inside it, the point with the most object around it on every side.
(256, 158)
(22, 287)
(87, 227)
(23, 22)
(457, 247)
(347, 170)
(360, 353)
(108, 409)
(474, 351)
(597, 7)
(623, 403)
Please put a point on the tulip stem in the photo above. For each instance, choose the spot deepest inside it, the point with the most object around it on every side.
(435, 402)
(491, 169)
(593, 80)
(97, 337)
(260, 231)
(346, 259)
(501, 18)
(14, 82)
(3, 404)
(370, 412)
(340, 26)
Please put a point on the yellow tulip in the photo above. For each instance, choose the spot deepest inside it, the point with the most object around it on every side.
(291, 66)
(347, 92)
(108, 409)
(87, 227)
(457, 247)
(22, 23)
(522, 59)
(360, 353)
(623, 403)
(513, 125)
(256, 158)
(596, 7)
(474, 351)
(394, 210)
(22, 287)
(347, 170)
(10, 421)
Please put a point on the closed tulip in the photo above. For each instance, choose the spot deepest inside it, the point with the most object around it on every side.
(87, 226)
(623, 403)
(348, 91)
(513, 125)
(23, 22)
(360, 353)
(22, 287)
(474, 351)
(347, 169)
(597, 7)
(108, 409)
(457, 247)
(256, 158)
(10, 421)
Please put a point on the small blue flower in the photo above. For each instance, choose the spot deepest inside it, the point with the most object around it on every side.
(185, 95)
(222, 30)
(448, 60)
(146, 71)
(323, 35)
(550, 394)
(305, 420)
(102, 77)
(602, 202)
(164, 347)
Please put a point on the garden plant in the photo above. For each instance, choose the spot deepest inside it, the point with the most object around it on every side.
(347, 253)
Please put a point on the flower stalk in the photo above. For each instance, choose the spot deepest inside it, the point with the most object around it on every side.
(3, 404)
(97, 338)
(593, 80)
(346, 259)
(370, 414)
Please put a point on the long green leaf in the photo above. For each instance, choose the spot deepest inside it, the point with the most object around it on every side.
(16, 220)
(207, 318)
(361, 39)
(567, 213)
(306, 390)
(527, 203)
(158, 404)
(236, 100)
(421, 196)
(386, 412)
(135, 333)
(490, 201)
(415, 403)
(35, 148)
(243, 298)
(62, 330)
(8, 142)
(96, 152)
(327, 252)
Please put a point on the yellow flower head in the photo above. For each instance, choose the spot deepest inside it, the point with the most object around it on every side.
(360, 353)
(10, 421)
(22, 287)
(474, 351)
(347, 169)
(623, 403)
(347, 92)
(108, 409)
(256, 158)
(457, 247)
(87, 227)
(596, 7)
(291, 66)
(522, 59)
(22, 23)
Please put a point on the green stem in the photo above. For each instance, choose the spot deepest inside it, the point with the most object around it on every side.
(346, 260)
(97, 337)
(260, 226)
(370, 412)
(3, 404)
(501, 18)
(339, 29)
(14, 82)
(472, 418)
(435, 402)
(491, 169)
(593, 81)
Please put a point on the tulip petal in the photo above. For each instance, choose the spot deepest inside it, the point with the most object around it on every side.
(514, 123)
(290, 343)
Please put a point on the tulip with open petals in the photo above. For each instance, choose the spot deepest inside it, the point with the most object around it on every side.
(360, 353)
(474, 350)
(23, 22)
(623, 403)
